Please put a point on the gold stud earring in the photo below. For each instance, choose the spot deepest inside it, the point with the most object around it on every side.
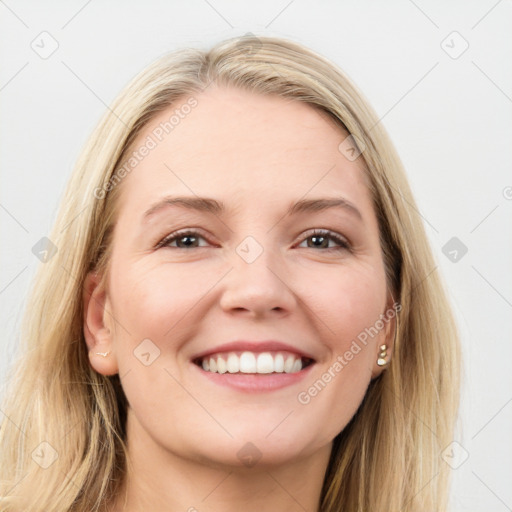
(381, 361)
(103, 354)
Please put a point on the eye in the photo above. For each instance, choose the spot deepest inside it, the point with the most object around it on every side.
(320, 239)
(184, 240)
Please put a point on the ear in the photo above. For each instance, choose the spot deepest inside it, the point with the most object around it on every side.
(97, 332)
(386, 336)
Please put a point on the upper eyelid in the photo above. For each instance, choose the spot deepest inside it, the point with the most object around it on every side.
(306, 234)
(343, 240)
(181, 232)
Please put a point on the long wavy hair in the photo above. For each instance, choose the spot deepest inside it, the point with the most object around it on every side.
(63, 438)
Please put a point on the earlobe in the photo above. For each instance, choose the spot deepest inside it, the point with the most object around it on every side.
(98, 335)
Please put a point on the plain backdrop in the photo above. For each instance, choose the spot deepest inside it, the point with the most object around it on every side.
(438, 73)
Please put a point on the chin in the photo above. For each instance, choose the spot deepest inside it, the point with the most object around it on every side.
(257, 452)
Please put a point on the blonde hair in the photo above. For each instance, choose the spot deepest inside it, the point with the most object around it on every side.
(388, 458)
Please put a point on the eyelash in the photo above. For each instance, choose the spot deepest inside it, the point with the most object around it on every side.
(343, 243)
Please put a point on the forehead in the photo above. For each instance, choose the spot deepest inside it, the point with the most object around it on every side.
(242, 147)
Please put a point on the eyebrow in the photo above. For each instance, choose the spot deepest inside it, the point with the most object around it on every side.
(208, 205)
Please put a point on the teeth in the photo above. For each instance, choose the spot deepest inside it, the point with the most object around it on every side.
(288, 364)
(297, 366)
(221, 365)
(249, 362)
(279, 363)
(233, 363)
(265, 363)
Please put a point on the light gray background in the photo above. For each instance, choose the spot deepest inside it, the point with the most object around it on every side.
(450, 119)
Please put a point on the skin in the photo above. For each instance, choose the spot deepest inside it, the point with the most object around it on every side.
(257, 154)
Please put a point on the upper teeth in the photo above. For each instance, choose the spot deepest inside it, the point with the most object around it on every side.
(250, 362)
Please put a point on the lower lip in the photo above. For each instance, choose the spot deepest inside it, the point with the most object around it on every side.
(255, 383)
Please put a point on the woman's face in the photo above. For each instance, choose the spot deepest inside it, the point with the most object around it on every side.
(253, 291)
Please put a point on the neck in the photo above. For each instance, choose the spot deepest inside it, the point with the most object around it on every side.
(161, 481)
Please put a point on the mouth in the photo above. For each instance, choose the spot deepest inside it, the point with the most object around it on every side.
(255, 363)
(254, 366)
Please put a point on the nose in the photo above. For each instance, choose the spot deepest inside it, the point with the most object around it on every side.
(258, 288)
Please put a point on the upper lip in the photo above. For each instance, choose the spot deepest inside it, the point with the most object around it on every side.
(253, 346)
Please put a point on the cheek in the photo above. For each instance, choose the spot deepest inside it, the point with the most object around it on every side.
(351, 301)
(349, 306)
(154, 300)
(160, 303)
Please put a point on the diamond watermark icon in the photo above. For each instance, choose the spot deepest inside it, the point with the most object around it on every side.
(249, 44)
(351, 147)
(249, 455)
(45, 45)
(44, 249)
(146, 352)
(44, 455)
(454, 45)
(455, 455)
(454, 249)
(249, 249)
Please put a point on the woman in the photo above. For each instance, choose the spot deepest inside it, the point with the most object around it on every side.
(242, 312)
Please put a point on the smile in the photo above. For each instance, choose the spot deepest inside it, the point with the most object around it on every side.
(253, 362)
